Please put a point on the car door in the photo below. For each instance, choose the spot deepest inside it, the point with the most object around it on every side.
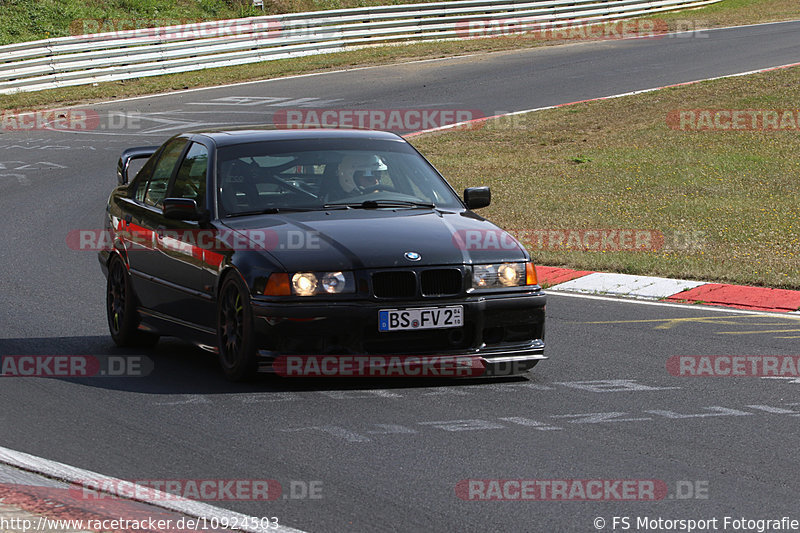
(146, 217)
(184, 246)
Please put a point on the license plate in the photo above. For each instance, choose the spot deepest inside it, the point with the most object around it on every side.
(451, 316)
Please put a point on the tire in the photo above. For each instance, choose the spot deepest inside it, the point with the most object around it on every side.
(235, 332)
(123, 321)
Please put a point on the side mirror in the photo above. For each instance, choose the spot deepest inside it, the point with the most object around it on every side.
(182, 209)
(477, 197)
(127, 156)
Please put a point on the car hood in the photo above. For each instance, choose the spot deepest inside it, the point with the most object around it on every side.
(377, 238)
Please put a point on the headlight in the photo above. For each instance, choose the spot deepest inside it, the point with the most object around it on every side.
(501, 275)
(304, 283)
(334, 282)
(311, 283)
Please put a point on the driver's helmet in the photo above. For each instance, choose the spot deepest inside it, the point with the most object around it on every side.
(359, 173)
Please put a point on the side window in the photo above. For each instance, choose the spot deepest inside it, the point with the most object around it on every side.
(191, 179)
(140, 181)
(157, 186)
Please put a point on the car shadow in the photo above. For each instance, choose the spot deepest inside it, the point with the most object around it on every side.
(177, 367)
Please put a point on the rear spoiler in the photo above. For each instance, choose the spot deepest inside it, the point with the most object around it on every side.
(127, 156)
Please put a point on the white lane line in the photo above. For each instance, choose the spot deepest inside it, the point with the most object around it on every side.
(696, 307)
(742, 26)
(111, 485)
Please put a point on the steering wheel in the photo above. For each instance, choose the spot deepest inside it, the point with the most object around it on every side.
(293, 188)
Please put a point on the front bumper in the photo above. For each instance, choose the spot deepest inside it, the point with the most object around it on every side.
(506, 331)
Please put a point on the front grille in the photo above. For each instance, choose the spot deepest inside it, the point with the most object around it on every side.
(441, 282)
(399, 284)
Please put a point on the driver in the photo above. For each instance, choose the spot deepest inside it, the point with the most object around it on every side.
(360, 174)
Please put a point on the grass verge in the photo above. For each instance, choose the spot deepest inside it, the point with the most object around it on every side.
(728, 12)
(618, 164)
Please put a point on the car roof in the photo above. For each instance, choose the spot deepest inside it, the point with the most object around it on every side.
(226, 137)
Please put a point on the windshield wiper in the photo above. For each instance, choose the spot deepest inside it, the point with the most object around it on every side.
(374, 204)
(271, 210)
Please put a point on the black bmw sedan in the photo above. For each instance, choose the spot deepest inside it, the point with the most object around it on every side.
(258, 244)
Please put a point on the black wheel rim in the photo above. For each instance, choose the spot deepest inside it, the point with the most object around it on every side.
(116, 297)
(231, 324)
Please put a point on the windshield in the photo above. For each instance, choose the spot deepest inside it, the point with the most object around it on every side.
(315, 174)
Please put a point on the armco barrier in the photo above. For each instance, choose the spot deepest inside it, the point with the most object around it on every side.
(101, 57)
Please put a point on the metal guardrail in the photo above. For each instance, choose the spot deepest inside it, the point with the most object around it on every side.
(112, 56)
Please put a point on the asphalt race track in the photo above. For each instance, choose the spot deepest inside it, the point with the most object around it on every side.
(388, 455)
